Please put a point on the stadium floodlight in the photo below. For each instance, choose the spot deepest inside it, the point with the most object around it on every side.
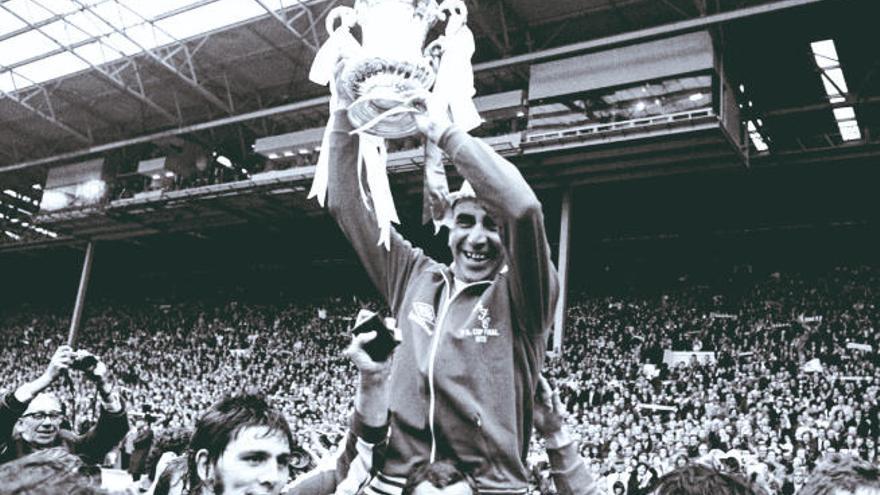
(36, 187)
(756, 137)
(226, 162)
(169, 174)
(55, 200)
(288, 153)
(92, 190)
(156, 176)
(273, 156)
(836, 89)
(13, 235)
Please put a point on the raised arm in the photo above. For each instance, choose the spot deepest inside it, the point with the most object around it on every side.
(356, 454)
(112, 423)
(388, 269)
(570, 474)
(13, 405)
(508, 198)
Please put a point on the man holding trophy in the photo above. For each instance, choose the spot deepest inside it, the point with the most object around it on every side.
(474, 332)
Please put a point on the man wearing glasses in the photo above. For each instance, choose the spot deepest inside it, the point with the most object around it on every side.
(31, 420)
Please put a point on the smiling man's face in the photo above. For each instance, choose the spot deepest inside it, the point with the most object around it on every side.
(475, 243)
(41, 421)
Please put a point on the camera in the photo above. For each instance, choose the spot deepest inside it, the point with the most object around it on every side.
(381, 347)
(84, 361)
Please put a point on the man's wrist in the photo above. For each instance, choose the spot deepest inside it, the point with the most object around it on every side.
(560, 438)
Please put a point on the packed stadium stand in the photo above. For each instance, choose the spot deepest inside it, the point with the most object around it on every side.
(707, 171)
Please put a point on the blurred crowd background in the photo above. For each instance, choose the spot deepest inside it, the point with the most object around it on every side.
(793, 374)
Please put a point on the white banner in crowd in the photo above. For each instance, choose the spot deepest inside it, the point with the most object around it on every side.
(674, 358)
(723, 316)
(657, 407)
(860, 347)
(813, 366)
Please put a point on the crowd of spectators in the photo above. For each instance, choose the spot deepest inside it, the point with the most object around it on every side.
(793, 374)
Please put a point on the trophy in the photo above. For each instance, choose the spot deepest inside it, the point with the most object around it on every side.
(384, 72)
(391, 67)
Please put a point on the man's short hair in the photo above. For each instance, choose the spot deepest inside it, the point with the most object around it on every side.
(440, 474)
(49, 472)
(220, 425)
(842, 474)
(697, 479)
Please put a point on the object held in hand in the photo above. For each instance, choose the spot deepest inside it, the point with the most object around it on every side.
(381, 347)
(392, 69)
(84, 361)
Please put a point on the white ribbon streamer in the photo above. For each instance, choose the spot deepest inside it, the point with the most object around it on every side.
(454, 84)
(375, 155)
(340, 44)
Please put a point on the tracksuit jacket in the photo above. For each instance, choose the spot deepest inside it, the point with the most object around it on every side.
(464, 377)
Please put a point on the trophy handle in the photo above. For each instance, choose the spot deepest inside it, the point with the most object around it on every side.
(434, 51)
(457, 16)
(346, 17)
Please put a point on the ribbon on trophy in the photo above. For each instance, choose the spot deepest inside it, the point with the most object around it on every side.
(340, 43)
(384, 80)
(454, 89)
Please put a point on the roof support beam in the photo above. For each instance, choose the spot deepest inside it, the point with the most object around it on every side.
(288, 23)
(113, 76)
(185, 72)
(554, 53)
(30, 99)
(641, 35)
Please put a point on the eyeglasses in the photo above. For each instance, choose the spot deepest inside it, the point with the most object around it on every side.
(41, 416)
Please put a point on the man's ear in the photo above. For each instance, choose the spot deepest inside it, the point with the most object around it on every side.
(203, 465)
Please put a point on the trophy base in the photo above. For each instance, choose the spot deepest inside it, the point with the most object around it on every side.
(378, 85)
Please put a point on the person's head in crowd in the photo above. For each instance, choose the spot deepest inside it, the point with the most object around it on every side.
(474, 239)
(240, 445)
(441, 477)
(702, 450)
(50, 471)
(839, 474)
(681, 461)
(618, 488)
(698, 479)
(40, 424)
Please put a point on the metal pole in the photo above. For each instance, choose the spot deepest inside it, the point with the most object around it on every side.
(81, 294)
(562, 266)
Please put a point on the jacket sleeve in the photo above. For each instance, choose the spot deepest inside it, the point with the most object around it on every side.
(569, 472)
(533, 281)
(388, 269)
(359, 454)
(10, 410)
(106, 434)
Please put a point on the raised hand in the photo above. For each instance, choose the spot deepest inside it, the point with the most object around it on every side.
(61, 361)
(549, 412)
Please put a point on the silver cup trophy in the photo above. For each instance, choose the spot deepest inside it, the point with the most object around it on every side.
(393, 64)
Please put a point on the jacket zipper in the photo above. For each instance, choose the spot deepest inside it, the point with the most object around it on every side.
(435, 345)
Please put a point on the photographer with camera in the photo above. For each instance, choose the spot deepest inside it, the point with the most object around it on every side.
(39, 416)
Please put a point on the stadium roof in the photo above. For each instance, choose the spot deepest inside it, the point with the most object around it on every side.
(82, 78)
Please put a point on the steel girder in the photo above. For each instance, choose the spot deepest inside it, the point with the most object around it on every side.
(176, 57)
(309, 37)
(36, 98)
(114, 72)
